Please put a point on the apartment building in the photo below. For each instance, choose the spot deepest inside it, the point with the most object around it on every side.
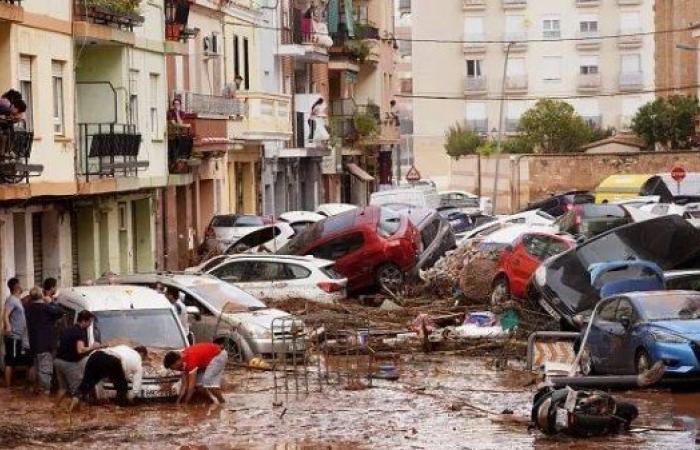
(592, 53)
(677, 55)
(404, 102)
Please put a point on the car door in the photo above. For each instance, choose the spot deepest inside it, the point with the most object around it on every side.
(298, 281)
(523, 262)
(623, 342)
(601, 335)
(203, 325)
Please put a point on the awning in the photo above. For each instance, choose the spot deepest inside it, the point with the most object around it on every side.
(359, 172)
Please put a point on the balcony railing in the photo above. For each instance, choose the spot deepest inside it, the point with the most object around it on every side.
(84, 10)
(180, 144)
(15, 149)
(177, 13)
(108, 150)
(210, 105)
(589, 81)
(474, 84)
(631, 80)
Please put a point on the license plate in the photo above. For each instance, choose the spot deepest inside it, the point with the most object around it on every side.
(157, 393)
(549, 309)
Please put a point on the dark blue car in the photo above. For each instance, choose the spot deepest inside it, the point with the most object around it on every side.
(632, 331)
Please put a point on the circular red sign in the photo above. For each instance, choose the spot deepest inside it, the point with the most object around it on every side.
(678, 174)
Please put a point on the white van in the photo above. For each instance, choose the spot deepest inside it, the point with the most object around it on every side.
(134, 315)
(423, 197)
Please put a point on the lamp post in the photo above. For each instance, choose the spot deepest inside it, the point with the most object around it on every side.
(499, 136)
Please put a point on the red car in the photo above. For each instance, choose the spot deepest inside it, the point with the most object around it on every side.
(371, 246)
(519, 261)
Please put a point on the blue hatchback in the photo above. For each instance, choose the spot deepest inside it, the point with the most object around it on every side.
(632, 331)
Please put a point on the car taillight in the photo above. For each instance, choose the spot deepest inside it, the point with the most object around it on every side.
(329, 286)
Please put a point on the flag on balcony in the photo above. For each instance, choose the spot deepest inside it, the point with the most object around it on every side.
(333, 16)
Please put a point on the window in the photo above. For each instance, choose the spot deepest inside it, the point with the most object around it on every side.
(339, 247)
(515, 24)
(551, 28)
(474, 68)
(474, 28)
(551, 68)
(233, 272)
(266, 271)
(630, 22)
(588, 65)
(588, 25)
(246, 65)
(631, 63)
(236, 58)
(297, 272)
(58, 99)
(25, 88)
(153, 96)
(607, 312)
(133, 97)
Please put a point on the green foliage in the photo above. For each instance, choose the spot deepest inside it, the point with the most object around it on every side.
(359, 48)
(668, 122)
(598, 134)
(117, 6)
(516, 145)
(552, 126)
(366, 125)
(461, 141)
(487, 149)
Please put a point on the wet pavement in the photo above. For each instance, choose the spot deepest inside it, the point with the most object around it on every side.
(438, 403)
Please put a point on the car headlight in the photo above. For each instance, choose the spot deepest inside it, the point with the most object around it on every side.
(260, 332)
(668, 338)
(541, 275)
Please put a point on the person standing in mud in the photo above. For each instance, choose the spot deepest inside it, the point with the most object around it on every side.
(73, 347)
(42, 315)
(202, 366)
(15, 328)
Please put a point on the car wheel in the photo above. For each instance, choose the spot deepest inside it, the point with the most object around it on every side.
(500, 291)
(390, 278)
(235, 353)
(642, 361)
(586, 362)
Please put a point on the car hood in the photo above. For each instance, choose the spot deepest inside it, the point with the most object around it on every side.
(262, 318)
(670, 242)
(690, 328)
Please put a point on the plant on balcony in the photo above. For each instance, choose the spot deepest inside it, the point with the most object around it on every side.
(460, 140)
(125, 7)
(552, 126)
(366, 125)
(359, 48)
(668, 123)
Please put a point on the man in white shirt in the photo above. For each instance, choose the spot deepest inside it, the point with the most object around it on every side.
(118, 364)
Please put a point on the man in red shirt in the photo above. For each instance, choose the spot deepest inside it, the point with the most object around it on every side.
(202, 366)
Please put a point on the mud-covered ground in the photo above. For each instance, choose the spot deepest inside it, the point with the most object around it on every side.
(439, 403)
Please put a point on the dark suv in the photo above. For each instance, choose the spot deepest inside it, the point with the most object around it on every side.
(586, 221)
(558, 204)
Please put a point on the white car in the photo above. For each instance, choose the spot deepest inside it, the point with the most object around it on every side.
(224, 229)
(300, 220)
(333, 209)
(266, 239)
(279, 277)
(530, 218)
(638, 202)
(466, 201)
(687, 211)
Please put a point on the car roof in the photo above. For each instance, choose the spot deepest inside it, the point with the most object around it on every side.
(305, 259)
(182, 279)
(301, 216)
(653, 294)
(112, 298)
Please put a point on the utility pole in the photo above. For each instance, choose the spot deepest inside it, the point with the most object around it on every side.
(499, 136)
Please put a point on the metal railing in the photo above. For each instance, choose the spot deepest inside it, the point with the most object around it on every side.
(177, 13)
(589, 80)
(108, 150)
(102, 15)
(215, 105)
(15, 149)
(180, 144)
(475, 84)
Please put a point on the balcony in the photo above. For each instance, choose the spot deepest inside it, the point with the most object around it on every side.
(474, 43)
(210, 105)
(516, 84)
(475, 86)
(518, 40)
(11, 11)
(306, 40)
(103, 25)
(630, 38)
(108, 150)
(404, 6)
(268, 117)
(587, 3)
(177, 13)
(593, 121)
(474, 5)
(478, 125)
(588, 40)
(180, 145)
(589, 82)
(15, 149)
(631, 81)
(514, 4)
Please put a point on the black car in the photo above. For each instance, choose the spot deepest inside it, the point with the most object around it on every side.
(462, 222)
(562, 285)
(558, 204)
(588, 220)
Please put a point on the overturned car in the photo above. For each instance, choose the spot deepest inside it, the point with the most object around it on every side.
(562, 284)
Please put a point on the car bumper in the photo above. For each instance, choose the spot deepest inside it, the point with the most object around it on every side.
(151, 388)
(281, 346)
(680, 359)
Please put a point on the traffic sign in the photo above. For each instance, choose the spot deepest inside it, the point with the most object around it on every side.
(678, 174)
(413, 175)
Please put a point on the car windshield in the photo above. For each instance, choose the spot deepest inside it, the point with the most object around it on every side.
(249, 221)
(223, 221)
(148, 327)
(670, 307)
(389, 222)
(685, 282)
(222, 296)
(215, 261)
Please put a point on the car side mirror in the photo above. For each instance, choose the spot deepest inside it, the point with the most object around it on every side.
(626, 322)
(194, 311)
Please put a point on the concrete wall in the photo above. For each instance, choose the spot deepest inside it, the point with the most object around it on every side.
(525, 178)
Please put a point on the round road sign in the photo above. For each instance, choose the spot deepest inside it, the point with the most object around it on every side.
(678, 174)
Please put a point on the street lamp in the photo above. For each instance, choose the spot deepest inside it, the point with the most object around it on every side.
(499, 137)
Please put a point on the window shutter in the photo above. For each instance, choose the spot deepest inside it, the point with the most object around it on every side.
(25, 68)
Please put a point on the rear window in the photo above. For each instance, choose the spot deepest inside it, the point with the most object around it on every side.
(223, 221)
(249, 221)
(389, 222)
(604, 211)
(331, 273)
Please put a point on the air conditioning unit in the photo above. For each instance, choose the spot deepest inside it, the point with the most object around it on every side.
(211, 45)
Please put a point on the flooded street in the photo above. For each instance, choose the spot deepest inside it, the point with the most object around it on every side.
(439, 402)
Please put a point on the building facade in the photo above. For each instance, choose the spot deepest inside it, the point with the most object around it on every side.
(597, 55)
(676, 50)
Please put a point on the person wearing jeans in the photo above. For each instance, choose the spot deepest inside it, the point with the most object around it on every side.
(15, 329)
(42, 314)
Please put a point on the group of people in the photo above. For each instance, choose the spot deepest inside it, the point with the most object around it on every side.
(75, 365)
(12, 108)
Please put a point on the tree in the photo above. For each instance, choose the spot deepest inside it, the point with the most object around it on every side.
(668, 122)
(460, 140)
(552, 126)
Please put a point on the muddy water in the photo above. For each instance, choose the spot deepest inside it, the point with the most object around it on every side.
(439, 403)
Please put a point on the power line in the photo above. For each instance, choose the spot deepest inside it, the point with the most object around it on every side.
(549, 97)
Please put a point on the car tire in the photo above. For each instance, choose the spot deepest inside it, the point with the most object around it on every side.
(236, 354)
(389, 278)
(642, 361)
(500, 290)
(586, 362)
